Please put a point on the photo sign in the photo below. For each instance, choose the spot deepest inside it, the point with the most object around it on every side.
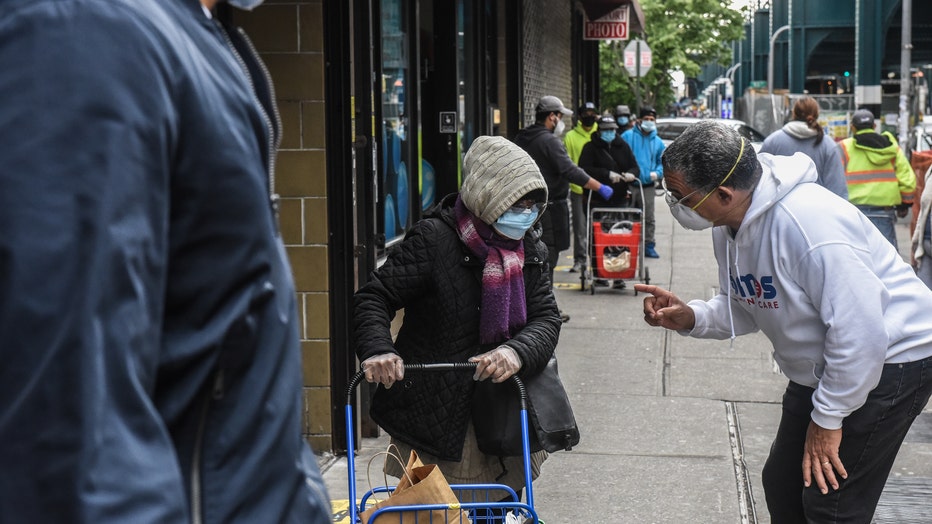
(613, 26)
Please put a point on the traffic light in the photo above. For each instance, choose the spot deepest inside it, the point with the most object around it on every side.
(847, 73)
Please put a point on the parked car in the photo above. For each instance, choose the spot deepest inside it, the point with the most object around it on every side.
(920, 138)
(670, 128)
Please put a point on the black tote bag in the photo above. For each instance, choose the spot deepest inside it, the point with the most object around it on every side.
(552, 426)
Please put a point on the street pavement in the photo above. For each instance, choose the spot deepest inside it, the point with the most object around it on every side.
(673, 429)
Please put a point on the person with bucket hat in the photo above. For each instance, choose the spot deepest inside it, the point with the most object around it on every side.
(623, 118)
(609, 159)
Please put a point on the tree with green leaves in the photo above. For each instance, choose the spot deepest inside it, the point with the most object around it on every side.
(683, 35)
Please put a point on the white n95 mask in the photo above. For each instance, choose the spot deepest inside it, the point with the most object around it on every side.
(689, 218)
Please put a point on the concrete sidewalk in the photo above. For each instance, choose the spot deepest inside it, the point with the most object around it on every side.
(673, 429)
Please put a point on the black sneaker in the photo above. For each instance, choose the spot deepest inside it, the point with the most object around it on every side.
(618, 284)
(600, 282)
(577, 268)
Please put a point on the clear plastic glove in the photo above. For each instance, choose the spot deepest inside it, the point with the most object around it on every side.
(653, 176)
(606, 191)
(615, 177)
(629, 177)
(499, 364)
(386, 369)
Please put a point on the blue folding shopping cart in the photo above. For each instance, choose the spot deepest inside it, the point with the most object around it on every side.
(479, 501)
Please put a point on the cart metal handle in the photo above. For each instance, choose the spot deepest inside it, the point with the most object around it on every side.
(435, 367)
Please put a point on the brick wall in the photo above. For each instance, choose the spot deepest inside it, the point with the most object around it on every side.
(289, 36)
(547, 50)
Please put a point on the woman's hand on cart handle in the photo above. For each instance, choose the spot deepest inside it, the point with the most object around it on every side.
(385, 368)
(499, 364)
(629, 177)
(663, 308)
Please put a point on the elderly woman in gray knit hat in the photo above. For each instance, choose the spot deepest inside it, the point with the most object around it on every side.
(471, 279)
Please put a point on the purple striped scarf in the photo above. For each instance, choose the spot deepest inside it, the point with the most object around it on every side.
(504, 310)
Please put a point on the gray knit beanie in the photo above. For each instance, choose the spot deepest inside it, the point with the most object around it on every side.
(496, 174)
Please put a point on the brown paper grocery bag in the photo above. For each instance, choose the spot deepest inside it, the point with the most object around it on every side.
(429, 487)
(414, 461)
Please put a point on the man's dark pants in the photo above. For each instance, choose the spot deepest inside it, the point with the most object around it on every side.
(556, 231)
(871, 437)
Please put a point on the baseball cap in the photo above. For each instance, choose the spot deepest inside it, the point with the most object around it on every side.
(622, 111)
(551, 104)
(862, 119)
(648, 110)
(607, 122)
(588, 106)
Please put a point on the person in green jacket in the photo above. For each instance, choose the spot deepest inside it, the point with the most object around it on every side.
(574, 141)
(881, 183)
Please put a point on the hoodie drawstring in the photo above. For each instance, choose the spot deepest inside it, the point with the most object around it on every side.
(731, 318)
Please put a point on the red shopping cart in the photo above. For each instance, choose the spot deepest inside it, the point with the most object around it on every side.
(616, 247)
(482, 502)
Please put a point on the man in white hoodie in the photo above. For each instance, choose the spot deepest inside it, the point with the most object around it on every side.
(841, 308)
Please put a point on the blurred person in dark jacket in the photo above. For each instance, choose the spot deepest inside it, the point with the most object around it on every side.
(471, 277)
(151, 362)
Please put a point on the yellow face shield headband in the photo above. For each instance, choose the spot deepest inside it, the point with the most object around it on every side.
(740, 154)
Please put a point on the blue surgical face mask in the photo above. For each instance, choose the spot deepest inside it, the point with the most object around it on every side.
(608, 136)
(622, 120)
(247, 5)
(648, 125)
(515, 222)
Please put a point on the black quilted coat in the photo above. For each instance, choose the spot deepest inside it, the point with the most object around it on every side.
(438, 282)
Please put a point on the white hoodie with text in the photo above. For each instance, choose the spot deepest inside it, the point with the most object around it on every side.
(816, 276)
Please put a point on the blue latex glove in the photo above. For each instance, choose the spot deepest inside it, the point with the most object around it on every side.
(606, 191)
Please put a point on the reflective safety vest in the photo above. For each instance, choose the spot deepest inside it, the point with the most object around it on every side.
(879, 177)
(574, 142)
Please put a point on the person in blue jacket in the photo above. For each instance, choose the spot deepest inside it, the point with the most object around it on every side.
(151, 361)
(647, 148)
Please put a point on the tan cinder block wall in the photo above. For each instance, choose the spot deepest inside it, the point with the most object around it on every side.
(289, 36)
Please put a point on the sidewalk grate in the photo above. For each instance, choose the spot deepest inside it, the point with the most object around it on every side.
(921, 430)
(905, 501)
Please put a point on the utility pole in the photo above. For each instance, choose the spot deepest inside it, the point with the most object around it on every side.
(637, 77)
(777, 119)
(773, 40)
(905, 78)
